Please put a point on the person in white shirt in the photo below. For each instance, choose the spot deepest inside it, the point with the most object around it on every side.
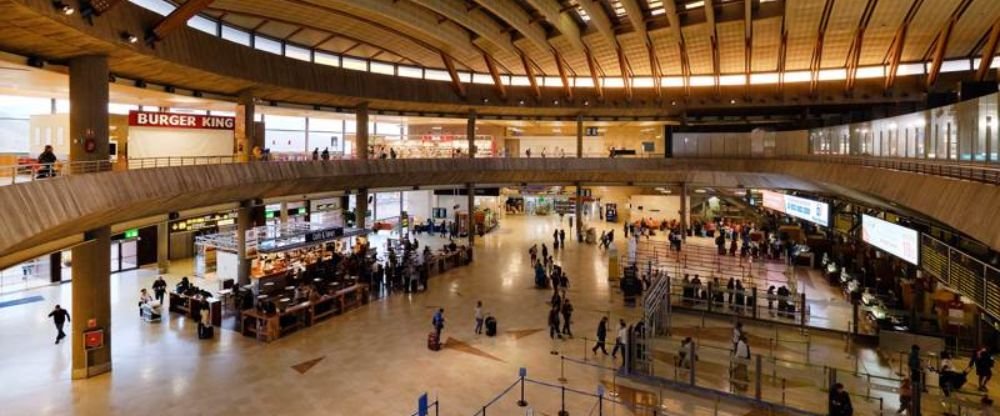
(737, 333)
(741, 356)
(621, 340)
(479, 317)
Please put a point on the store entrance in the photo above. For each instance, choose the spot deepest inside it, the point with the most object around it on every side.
(124, 255)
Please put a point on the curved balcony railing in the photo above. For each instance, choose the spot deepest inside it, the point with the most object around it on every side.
(33, 171)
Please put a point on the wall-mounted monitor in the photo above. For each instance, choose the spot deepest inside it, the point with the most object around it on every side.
(804, 209)
(894, 239)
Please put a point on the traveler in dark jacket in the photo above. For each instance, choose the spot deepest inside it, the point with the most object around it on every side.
(602, 335)
(59, 317)
(47, 159)
(554, 322)
(567, 313)
(840, 401)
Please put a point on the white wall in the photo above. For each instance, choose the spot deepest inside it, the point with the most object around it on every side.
(144, 142)
(418, 204)
(658, 207)
(591, 145)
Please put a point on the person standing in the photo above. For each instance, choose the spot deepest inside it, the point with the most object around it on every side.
(555, 240)
(438, 322)
(479, 317)
(315, 155)
(567, 313)
(562, 239)
(602, 335)
(159, 289)
(914, 362)
(59, 317)
(983, 362)
(620, 341)
(48, 160)
(554, 322)
(840, 401)
(741, 357)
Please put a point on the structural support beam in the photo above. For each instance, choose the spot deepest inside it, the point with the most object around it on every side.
(498, 84)
(529, 71)
(713, 37)
(941, 42)
(783, 48)
(470, 133)
(895, 52)
(817, 57)
(361, 131)
(244, 223)
(579, 137)
(747, 46)
(989, 50)
(456, 82)
(563, 76)
(471, 191)
(594, 76)
(177, 19)
(626, 73)
(670, 9)
(854, 53)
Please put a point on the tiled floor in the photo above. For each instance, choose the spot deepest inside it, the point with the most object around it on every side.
(370, 361)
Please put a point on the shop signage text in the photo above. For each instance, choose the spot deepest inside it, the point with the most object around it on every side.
(323, 235)
(182, 121)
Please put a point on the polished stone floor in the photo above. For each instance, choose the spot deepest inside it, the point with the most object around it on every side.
(369, 361)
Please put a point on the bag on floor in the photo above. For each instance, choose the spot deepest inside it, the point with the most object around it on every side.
(433, 343)
(491, 326)
(206, 332)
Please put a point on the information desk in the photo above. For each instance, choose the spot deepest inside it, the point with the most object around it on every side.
(267, 328)
(191, 307)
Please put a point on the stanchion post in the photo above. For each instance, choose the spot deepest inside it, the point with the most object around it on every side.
(523, 372)
(562, 403)
(802, 311)
(562, 369)
(757, 392)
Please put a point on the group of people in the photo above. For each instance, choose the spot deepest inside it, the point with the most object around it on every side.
(621, 338)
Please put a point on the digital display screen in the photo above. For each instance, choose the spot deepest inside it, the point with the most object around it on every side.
(804, 209)
(894, 239)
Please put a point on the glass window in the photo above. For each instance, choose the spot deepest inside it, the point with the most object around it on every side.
(285, 140)
(436, 75)
(325, 124)
(284, 122)
(381, 68)
(326, 59)
(204, 24)
(387, 205)
(161, 7)
(798, 76)
(297, 52)
(583, 82)
(552, 81)
(116, 108)
(870, 72)
(764, 78)
(354, 63)
(410, 71)
(14, 136)
(910, 69)
(613, 82)
(739, 79)
(955, 66)
(387, 129)
(478, 78)
(62, 106)
(223, 113)
(266, 44)
(465, 77)
(233, 34)
(23, 107)
(642, 82)
(326, 140)
(832, 74)
(519, 81)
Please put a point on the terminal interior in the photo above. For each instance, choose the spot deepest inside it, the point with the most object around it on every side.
(472, 207)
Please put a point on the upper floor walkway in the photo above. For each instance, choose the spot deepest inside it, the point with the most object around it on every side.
(45, 215)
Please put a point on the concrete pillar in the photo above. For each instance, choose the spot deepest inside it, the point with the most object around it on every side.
(470, 134)
(578, 211)
(361, 136)
(579, 142)
(55, 267)
(88, 113)
(283, 217)
(91, 301)
(472, 213)
(685, 215)
(668, 142)
(244, 223)
(162, 247)
(361, 208)
(245, 131)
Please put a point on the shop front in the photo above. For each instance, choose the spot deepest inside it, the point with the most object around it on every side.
(158, 135)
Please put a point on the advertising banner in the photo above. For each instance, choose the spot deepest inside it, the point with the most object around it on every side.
(894, 239)
(804, 209)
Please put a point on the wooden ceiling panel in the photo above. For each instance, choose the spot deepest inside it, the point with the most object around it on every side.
(802, 22)
(926, 24)
(544, 59)
(699, 49)
(972, 26)
(603, 53)
(635, 49)
(337, 45)
(576, 61)
(888, 15)
(506, 61)
(666, 51)
(731, 47)
(840, 32)
(277, 30)
(308, 37)
(241, 21)
(766, 42)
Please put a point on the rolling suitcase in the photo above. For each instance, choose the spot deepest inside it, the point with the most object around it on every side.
(491, 326)
(433, 343)
(206, 332)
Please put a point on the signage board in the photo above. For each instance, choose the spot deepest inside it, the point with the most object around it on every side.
(804, 209)
(93, 339)
(180, 121)
(894, 239)
(323, 235)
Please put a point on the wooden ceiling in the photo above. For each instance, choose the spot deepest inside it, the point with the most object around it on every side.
(640, 37)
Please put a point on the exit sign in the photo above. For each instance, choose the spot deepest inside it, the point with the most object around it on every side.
(132, 233)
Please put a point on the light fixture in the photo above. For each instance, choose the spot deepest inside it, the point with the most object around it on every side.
(732, 101)
(586, 103)
(486, 100)
(555, 102)
(673, 103)
(128, 37)
(63, 8)
(520, 102)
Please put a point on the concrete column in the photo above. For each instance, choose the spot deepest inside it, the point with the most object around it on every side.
(579, 142)
(283, 218)
(472, 213)
(245, 132)
(360, 208)
(88, 113)
(684, 210)
(361, 136)
(91, 301)
(162, 247)
(55, 267)
(470, 134)
(244, 223)
(578, 212)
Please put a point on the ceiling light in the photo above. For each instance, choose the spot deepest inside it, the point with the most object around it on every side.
(732, 101)
(520, 102)
(128, 37)
(555, 102)
(673, 103)
(63, 8)
(586, 103)
(694, 5)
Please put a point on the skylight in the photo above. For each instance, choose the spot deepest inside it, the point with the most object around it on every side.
(618, 7)
(694, 4)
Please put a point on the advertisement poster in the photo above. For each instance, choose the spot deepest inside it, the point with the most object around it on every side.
(894, 239)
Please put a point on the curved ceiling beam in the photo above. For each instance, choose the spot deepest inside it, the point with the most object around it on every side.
(854, 53)
(637, 18)
(670, 9)
(332, 34)
(941, 42)
(599, 20)
(895, 53)
(713, 39)
(562, 21)
(747, 45)
(989, 50)
(473, 20)
(177, 19)
(817, 54)
(517, 18)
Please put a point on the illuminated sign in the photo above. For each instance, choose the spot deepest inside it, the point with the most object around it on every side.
(181, 121)
(894, 239)
(801, 208)
(133, 233)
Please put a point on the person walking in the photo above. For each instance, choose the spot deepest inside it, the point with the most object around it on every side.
(479, 317)
(555, 240)
(59, 317)
(159, 289)
(983, 362)
(438, 322)
(840, 401)
(567, 313)
(602, 335)
(620, 341)
(562, 239)
(905, 396)
(554, 322)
